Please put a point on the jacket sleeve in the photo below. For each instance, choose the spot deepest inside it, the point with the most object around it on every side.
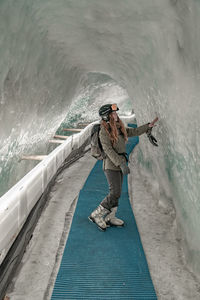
(108, 148)
(137, 131)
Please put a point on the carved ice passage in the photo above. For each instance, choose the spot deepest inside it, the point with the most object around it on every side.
(61, 60)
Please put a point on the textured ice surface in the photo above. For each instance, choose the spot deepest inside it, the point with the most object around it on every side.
(141, 54)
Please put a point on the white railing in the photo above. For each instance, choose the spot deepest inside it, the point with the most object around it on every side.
(16, 204)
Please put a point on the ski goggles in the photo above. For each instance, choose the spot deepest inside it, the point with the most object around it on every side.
(114, 107)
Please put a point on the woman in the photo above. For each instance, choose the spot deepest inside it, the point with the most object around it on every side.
(113, 136)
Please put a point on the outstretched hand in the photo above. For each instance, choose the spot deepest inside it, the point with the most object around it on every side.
(152, 124)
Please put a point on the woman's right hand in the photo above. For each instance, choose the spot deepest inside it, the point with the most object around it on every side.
(125, 169)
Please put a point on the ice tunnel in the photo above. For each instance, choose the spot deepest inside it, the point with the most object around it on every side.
(60, 61)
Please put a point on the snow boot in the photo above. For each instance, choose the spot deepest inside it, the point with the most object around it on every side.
(97, 216)
(111, 219)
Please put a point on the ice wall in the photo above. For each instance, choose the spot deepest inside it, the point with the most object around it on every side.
(151, 48)
(36, 88)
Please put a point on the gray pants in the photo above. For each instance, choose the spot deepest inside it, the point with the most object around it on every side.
(115, 180)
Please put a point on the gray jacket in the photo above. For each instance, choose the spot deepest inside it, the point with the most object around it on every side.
(113, 160)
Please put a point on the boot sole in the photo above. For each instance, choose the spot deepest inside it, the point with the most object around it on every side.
(112, 225)
(93, 221)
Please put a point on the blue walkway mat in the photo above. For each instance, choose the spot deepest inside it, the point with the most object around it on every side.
(108, 265)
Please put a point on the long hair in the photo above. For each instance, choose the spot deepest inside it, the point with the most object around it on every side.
(112, 129)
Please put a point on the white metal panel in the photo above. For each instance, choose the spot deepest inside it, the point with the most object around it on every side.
(22, 207)
(8, 223)
(34, 189)
(50, 167)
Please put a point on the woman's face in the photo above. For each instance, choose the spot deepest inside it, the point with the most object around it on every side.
(115, 116)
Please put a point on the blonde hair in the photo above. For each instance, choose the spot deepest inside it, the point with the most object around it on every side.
(112, 129)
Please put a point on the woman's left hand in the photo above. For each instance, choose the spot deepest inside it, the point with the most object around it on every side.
(152, 124)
